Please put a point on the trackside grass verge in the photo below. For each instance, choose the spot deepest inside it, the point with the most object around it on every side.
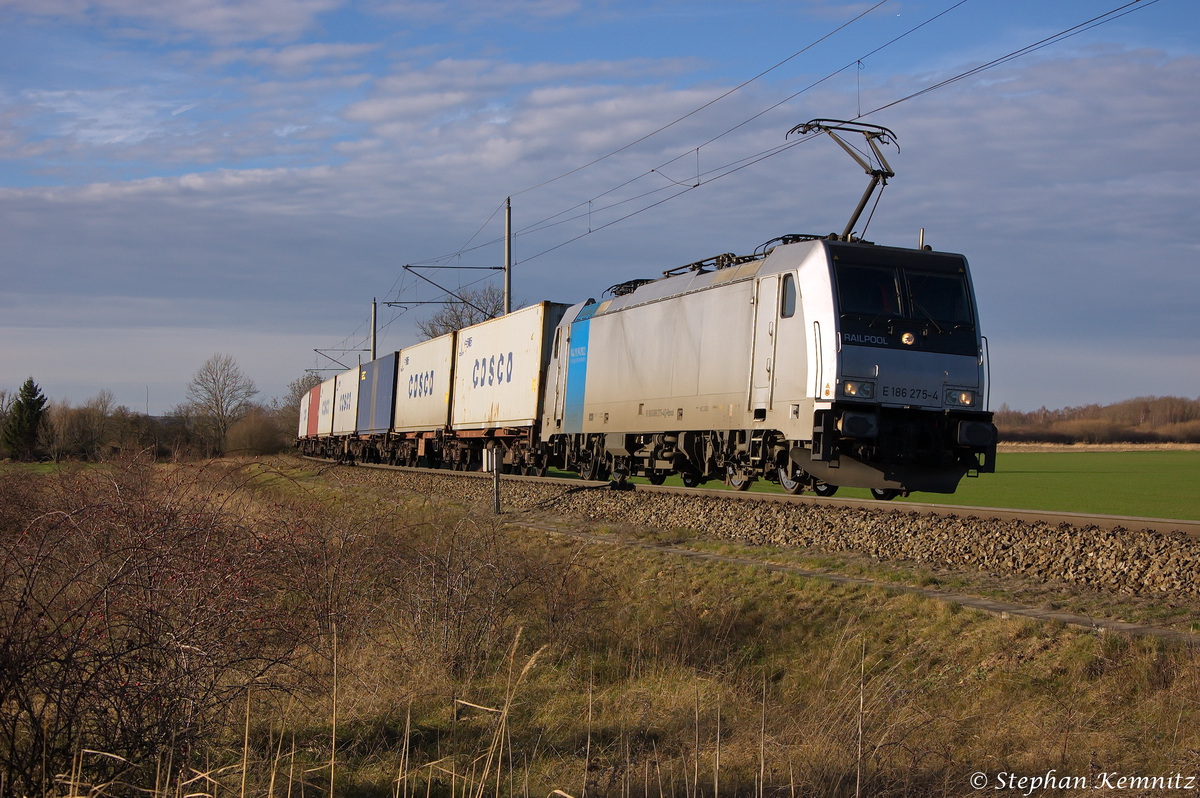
(413, 647)
(1146, 484)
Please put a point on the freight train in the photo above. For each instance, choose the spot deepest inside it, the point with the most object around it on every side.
(816, 362)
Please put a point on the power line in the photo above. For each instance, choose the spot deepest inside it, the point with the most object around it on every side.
(738, 165)
(711, 102)
(543, 223)
(1063, 35)
(1108, 16)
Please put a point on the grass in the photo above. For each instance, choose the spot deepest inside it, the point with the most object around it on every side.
(635, 673)
(1152, 484)
(1149, 484)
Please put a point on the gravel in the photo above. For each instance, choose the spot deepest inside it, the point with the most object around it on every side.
(1113, 560)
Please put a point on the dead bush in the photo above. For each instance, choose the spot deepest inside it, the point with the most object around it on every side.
(257, 433)
(133, 607)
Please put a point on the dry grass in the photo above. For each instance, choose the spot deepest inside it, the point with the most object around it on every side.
(475, 660)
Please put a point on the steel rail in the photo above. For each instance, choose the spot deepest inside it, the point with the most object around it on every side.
(1053, 517)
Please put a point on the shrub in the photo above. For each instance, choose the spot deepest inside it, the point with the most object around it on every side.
(133, 608)
(257, 433)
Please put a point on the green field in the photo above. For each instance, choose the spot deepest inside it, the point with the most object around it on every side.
(1152, 484)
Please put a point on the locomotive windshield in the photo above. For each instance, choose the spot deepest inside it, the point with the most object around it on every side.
(883, 295)
(940, 297)
(868, 290)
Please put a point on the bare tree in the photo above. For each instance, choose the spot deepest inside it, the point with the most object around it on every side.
(287, 409)
(481, 304)
(218, 396)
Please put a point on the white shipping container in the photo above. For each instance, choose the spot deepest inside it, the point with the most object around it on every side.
(498, 368)
(423, 385)
(325, 409)
(345, 410)
(302, 432)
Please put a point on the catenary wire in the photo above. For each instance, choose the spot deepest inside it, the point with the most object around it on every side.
(541, 224)
(711, 102)
(1101, 19)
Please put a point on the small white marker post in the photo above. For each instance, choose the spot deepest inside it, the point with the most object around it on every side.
(493, 456)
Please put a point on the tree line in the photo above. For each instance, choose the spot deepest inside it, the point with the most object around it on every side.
(220, 415)
(1146, 419)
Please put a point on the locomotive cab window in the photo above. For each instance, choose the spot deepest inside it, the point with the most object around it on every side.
(787, 303)
(940, 297)
(868, 290)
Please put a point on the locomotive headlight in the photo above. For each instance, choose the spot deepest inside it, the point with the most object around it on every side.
(959, 398)
(857, 389)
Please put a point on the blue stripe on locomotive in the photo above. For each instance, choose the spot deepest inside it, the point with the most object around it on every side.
(577, 371)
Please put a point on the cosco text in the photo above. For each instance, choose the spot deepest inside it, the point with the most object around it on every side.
(494, 370)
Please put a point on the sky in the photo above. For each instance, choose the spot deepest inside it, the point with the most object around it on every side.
(245, 176)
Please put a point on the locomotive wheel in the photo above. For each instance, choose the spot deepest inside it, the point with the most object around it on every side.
(736, 480)
(824, 489)
(884, 494)
(691, 479)
(656, 477)
(789, 481)
(591, 471)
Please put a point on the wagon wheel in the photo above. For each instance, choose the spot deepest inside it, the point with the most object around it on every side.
(736, 479)
(791, 480)
(884, 494)
(691, 478)
(656, 476)
(824, 489)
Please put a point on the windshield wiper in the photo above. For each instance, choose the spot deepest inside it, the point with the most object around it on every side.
(928, 317)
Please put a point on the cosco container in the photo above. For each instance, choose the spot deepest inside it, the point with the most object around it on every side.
(313, 402)
(304, 403)
(499, 366)
(377, 395)
(325, 408)
(345, 409)
(423, 385)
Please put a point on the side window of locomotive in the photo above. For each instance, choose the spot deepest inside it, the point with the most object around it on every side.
(868, 290)
(787, 303)
(939, 296)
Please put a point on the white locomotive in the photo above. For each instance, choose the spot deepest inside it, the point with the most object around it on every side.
(816, 362)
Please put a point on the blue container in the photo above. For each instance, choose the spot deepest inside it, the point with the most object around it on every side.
(377, 395)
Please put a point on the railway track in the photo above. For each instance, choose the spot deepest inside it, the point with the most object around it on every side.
(1152, 559)
(1051, 517)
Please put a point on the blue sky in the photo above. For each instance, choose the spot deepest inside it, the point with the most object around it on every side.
(243, 176)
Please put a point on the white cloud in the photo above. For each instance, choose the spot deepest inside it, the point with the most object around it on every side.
(1062, 181)
(220, 20)
(104, 117)
(296, 59)
(475, 11)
